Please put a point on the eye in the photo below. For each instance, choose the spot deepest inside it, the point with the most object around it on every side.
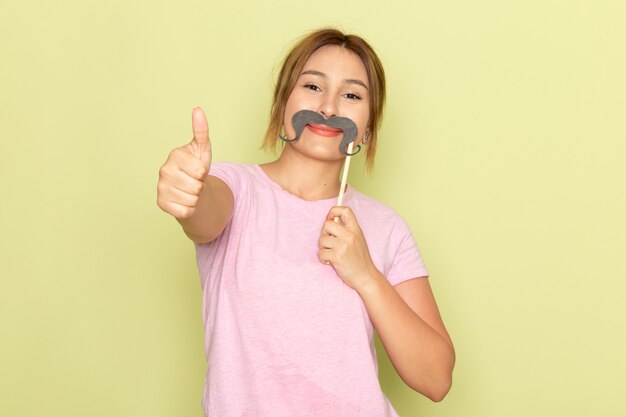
(353, 96)
(312, 87)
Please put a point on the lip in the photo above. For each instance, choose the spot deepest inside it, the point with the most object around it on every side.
(322, 130)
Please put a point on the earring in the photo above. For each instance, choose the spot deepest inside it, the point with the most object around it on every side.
(365, 137)
(285, 138)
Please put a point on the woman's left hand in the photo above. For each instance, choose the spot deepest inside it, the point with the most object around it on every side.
(343, 246)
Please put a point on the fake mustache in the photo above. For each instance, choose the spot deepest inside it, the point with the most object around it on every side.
(304, 117)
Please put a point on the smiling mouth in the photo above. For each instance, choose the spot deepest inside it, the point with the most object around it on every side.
(323, 130)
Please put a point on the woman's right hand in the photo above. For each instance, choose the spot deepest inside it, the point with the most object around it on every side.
(182, 176)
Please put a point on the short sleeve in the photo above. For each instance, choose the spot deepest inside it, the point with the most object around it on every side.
(229, 173)
(210, 254)
(407, 261)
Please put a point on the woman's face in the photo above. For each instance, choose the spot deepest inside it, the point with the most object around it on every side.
(333, 82)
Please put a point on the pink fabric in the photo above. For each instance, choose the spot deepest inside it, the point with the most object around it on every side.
(284, 336)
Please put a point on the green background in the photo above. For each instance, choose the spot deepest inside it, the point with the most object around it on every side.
(503, 146)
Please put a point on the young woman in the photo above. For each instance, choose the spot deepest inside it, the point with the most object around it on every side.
(293, 285)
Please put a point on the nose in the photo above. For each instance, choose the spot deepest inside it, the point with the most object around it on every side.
(328, 107)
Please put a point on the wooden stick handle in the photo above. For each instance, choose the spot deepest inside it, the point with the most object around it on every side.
(344, 178)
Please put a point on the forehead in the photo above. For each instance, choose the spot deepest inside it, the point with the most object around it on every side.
(335, 61)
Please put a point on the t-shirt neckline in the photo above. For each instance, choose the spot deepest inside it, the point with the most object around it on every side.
(263, 176)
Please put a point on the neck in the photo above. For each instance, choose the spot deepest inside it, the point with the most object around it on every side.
(304, 177)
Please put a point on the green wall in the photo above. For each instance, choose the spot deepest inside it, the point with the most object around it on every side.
(503, 146)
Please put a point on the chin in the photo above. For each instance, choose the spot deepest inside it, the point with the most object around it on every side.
(321, 154)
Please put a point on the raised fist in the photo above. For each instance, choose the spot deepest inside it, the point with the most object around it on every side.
(181, 178)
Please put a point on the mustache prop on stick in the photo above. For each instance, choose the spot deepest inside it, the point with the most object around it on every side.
(304, 117)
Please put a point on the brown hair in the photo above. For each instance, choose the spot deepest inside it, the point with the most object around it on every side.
(292, 67)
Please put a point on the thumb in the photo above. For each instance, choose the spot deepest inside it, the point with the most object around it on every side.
(201, 144)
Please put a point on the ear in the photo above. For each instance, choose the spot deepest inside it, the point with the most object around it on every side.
(366, 137)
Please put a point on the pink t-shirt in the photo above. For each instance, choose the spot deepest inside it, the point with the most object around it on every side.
(284, 336)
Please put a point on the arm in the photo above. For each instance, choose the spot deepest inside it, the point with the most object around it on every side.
(202, 204)
(406, 316)
(411, 330)
(212, 212)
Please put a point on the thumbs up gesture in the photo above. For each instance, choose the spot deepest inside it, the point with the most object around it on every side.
(181, 178)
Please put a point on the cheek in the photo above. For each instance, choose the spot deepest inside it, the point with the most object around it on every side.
(362, 121)
(288, 114)
(295, 103)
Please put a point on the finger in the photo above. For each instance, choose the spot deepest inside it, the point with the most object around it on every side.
(188, 185)
(327, 242)
(201, 143)
(200, 126)
(345, 214)
(169, 192)
(190, 165)
(325, 256)
(333, 229)
(176, 177)
(182, 181)
(177, 210)
(182, 198)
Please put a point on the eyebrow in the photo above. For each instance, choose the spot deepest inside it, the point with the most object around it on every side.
(321, 74)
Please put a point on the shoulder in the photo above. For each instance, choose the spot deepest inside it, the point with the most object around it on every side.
(376, 213)
(231, 168)
(381, 222)
(392, 245)
(235, 175)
